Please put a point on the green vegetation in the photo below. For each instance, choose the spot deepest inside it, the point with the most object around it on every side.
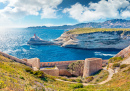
(78, 85)
(76, 68)
(18, 77)
(123, 66)
(90, 78)
(115, 59)
(50, 68)
(13, 76)
(91, 30)
(99, 77)
(116, 65)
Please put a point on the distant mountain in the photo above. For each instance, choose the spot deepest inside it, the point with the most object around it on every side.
(115, 23)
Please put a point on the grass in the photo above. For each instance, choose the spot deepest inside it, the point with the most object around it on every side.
(91, 30)
(14, 77)
(99, 77)
(115, 59)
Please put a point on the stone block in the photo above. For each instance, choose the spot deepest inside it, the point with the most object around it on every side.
(91, 66)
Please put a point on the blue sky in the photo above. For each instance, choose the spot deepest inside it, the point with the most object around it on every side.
(24, 13)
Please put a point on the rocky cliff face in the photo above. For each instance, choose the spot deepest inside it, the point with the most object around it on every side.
(107, 39)
(125, 53)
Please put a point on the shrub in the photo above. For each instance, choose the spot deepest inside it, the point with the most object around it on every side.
(116, 65)
(78, 80)
(123, 66)
(78, 85)
(2, 85)
(28, 69)
(38, 73)
(71, 80)
(90, 78)
(21, 77)
(81, 89)
(115, 59)
(63, 78)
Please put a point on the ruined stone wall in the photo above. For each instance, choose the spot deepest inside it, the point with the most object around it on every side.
(35, 62)
(64, 72)
(91, 66)
(53, 72)
(15, 59)
(51, 64)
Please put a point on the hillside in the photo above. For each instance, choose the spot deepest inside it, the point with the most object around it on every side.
(13, 77)
(115, 23)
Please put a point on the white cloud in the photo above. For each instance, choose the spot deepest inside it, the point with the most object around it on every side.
(101, 10)
(125, 14)
(21, 8)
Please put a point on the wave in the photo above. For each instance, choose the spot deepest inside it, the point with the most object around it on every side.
(102, 54)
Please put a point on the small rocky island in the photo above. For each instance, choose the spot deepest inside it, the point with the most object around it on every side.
(95, 38)
(35, 40)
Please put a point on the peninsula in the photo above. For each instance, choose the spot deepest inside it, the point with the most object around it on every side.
(95, 38)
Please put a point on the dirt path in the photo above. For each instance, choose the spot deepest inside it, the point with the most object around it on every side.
(86, 84)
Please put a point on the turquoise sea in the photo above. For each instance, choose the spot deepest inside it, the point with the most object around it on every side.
(14, 42)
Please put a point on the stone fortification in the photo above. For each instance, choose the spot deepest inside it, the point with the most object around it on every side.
(91, 66)
(35, 62)
(15, 59)
(51, 64)
(53, 72)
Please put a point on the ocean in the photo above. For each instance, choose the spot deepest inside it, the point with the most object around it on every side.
(14, 42)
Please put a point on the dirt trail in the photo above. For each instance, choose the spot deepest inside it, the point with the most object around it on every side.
(103, 82)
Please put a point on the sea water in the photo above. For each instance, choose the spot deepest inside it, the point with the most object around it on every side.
(14, 42)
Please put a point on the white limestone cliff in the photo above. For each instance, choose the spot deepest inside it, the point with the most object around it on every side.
(107, 39)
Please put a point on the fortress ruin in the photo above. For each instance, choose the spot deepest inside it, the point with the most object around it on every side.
(91, 65)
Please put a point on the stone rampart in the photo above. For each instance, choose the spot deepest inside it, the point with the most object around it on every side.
(53, 72)
(64, 72)
(91, 66)
(15, 59)
(51, 64)
(35, 62)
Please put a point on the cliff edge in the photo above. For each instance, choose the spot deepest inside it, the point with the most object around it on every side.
(95, 38)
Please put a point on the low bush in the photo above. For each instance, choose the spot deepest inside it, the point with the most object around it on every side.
(78, 85)
(116, 65)
(63, 78)
(78, 80)
(21, 77)
(123, 66)
(115, 59)
(81, 89)
(90, 78)
(28, 70)
(38, 73)
(71, 80)
(2, 85)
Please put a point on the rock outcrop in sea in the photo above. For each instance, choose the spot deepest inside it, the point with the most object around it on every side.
(35, 40)
(96, 40)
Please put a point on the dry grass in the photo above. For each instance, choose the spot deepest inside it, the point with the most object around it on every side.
(91, 30)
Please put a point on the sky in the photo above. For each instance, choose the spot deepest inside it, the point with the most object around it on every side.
(25, 13)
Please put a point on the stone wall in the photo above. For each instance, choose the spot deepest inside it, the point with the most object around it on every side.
(64, 72)
(52, 64)
(35, 62)
(53, 72)
(91, 66)
(15, 59)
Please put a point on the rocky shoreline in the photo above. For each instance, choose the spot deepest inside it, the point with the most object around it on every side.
(95, 40)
